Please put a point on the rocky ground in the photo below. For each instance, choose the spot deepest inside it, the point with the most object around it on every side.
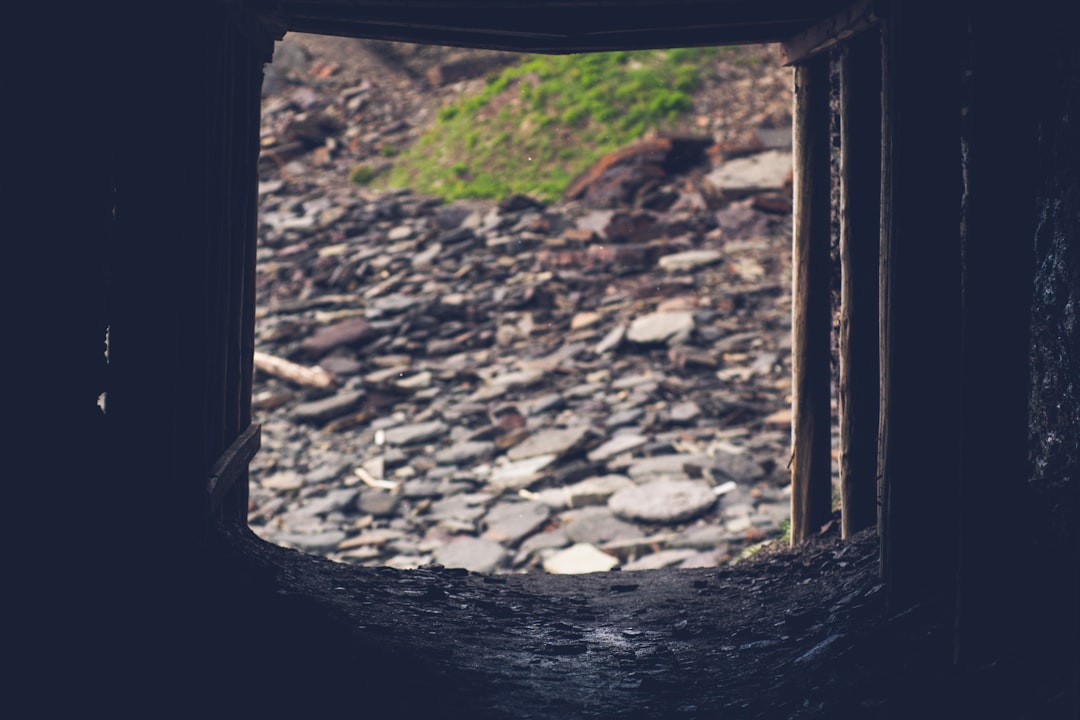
(595, 384)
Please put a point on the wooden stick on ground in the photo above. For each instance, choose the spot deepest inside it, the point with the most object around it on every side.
(299, 374)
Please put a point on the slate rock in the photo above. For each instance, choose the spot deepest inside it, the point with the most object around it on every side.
(689, 260)
(701, 537)
(578, 559)
(552, 441)
(624, 417)
(473, 554)
(597, 525)
(593, 491)
(612, 340)
(283, 481)
(739, 466)
(521, 473)
(663, 501)
(685, 412)
(616, 446)
(464, 452)
(416, 433)
(379, 503)
(340, 500)
(674, 466)
(661, 327)
(462, 507)
(345, 332)
(556, 538)
(328, 408)
(660, 559)
(766, 171)
(509, 522)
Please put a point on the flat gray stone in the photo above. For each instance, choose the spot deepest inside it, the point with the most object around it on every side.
(676, 466)
(509, 522)
(616, 446)
(520, 474)
(689, 260)
(553, 441)
(473, 554)
(660, 559)
(739, 466)
(578, 559)
(593, 491)
(597, 525)
(416, 433)
(624, 417)
(334, 501)
(327, 408)
(661, 327)
(518, 379)
(377, 502)
(345, 332)
(283, 481)
(612, 340)
(701, 537)
(556, 538)
(465, 452)
(685, 412)
(704, 559)
(663, 501)
(462, 507)
(763, 172)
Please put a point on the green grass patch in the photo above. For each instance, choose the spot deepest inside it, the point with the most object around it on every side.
(363, 174)
(536, 125)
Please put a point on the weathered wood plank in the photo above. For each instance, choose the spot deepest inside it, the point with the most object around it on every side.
(860, 196)
(232, 465)
(858, 17)
(245, 243)
(811, 476)
(556, 26)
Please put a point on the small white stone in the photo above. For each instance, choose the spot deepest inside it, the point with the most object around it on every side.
(578, 559)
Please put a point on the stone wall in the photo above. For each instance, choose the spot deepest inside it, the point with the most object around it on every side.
(1055, 349)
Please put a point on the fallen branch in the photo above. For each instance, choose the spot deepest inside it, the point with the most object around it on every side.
(299, 374)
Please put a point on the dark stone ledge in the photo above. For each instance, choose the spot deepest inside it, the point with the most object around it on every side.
(791, 633)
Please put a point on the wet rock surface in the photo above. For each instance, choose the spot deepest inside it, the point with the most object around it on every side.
(514, 386)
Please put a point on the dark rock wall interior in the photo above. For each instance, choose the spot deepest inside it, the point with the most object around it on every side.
(1054, 418)
(1054, 409)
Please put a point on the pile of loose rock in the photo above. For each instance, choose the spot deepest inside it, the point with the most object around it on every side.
(514, 386)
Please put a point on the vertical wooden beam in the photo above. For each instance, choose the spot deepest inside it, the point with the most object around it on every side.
(244, 242)
(811, 476)
(860, 195)
(920, 310)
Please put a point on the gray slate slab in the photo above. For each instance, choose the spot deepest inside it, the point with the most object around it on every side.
(597, 525)
(328, 408)
(664, 501)
(416, 433)
(661, 327)
(509, 522)
(473, 554)
(553, 441)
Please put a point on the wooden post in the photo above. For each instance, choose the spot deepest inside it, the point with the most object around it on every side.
(860, 193)
(920, 304)
(811, 476)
